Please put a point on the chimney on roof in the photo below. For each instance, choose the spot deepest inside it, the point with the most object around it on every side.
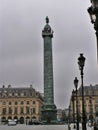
(31, 86)
(3, 86)
(9, 86)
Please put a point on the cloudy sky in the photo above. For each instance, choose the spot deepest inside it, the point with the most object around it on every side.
(21, 44)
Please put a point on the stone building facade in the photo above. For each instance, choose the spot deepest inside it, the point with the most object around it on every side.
(20, 103)
(90, 102)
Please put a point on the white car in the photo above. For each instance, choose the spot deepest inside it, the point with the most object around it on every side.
(11, 122)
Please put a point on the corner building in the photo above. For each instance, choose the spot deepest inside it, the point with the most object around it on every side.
(20, 103)
(90, 102)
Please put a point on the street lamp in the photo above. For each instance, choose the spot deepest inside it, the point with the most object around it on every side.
(76, 86)
(73, 107)
(93, 12)
(81, 62)
(69, 119)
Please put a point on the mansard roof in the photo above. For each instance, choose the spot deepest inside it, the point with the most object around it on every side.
(89, 90)
(19, 92)
(90, 87)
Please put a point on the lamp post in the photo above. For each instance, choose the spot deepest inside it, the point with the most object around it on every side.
(73, 107)
(76, 86)
(69, 119)
(81, 62)
(93, 12)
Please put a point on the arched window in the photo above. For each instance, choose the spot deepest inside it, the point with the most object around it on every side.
(21, 120)
(16, 118)
(3, 119)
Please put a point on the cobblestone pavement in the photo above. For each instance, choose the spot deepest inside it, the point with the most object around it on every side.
(40, 127)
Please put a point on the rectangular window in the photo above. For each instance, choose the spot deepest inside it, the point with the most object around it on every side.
(10, 110)
(15, 110)
(90, 110)
(4, 103)
(33, 102)
(96, 100)
(4, 111)
(27, 110)
(16, 103)
(27, 102)
(22, 102)
(33, 110)
(21, 110)
(10, 103)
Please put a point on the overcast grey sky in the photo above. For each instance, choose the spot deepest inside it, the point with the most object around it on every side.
(21, 44)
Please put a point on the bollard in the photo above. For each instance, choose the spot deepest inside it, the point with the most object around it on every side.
(94, 127)
(74, 126)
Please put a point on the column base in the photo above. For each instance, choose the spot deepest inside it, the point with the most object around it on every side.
(49, 114)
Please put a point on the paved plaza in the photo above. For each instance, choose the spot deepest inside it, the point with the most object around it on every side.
(39, 127)
(33, 127)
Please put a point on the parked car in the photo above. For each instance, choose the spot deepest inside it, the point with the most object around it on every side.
(35, 123)
(12, 122)
(89, 123)
(96, 123)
